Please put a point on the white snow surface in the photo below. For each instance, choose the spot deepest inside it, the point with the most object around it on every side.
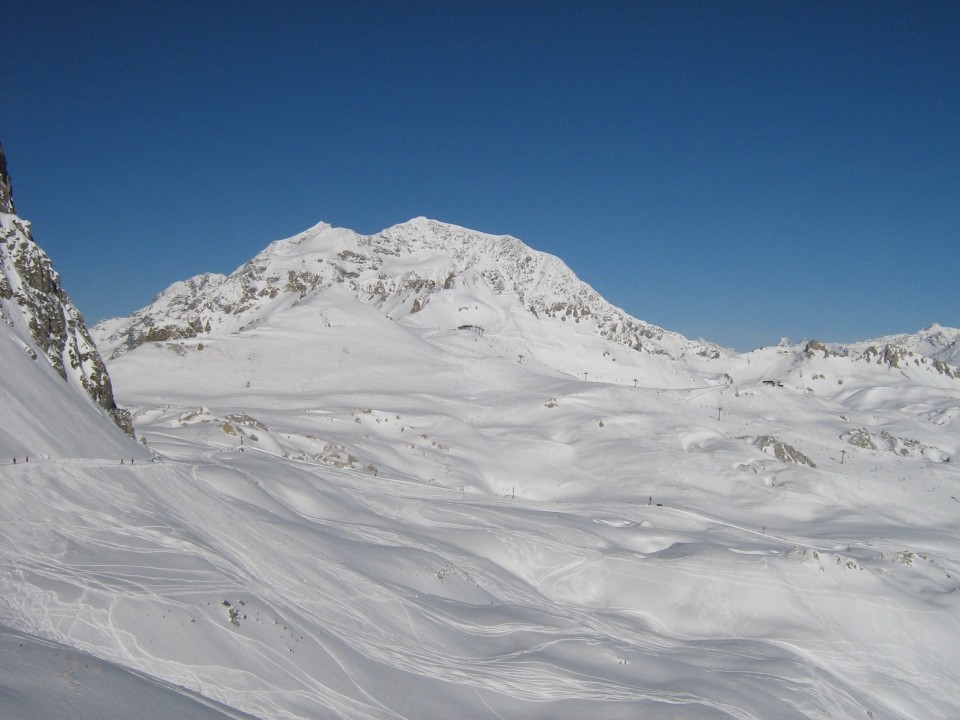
(44, 679)
(44, 415)
(360, 511)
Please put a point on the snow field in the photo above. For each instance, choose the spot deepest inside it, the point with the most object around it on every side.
(501, 556)
(344, 578)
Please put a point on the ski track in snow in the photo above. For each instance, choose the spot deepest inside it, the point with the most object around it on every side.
(554, 575)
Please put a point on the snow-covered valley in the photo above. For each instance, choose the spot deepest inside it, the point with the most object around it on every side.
(405, 494)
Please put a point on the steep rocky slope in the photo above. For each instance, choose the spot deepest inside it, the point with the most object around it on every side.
(37, 310)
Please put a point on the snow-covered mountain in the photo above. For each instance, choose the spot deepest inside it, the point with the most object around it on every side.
(47, 354)
(429, 474)
(422, 272)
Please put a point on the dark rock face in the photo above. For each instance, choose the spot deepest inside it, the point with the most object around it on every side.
(6, 189)
(815, 346)
(31, 293)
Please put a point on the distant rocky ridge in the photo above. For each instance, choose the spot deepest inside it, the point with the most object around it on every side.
(935, 348)
(401, 270)
(936, 342)
(31, 294)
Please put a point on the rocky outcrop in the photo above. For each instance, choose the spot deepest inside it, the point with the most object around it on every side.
(815, 346)
(860, 438)
(32, 295)
(941, 367)
(780, 450)
(904, 447)
(889, 355)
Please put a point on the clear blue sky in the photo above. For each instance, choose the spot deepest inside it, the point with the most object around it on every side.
(739, 171)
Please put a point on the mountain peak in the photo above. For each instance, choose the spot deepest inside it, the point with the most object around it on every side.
(6, 187)
(422, 227)
(421, 272)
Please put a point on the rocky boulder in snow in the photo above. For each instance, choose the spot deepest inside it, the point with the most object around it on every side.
(779, 449)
